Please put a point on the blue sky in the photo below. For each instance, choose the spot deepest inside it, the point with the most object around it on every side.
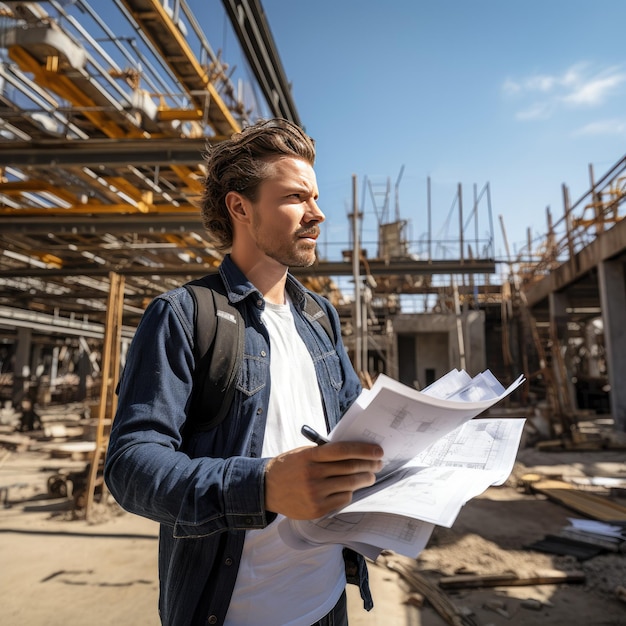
(520, 95)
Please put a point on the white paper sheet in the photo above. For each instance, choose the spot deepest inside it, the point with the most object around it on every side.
(436, 459)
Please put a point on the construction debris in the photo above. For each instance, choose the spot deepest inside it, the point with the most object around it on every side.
(584, 539)
(407, 569)
(464, 581)
(593, 506)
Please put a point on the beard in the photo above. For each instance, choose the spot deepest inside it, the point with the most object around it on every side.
(295, 252)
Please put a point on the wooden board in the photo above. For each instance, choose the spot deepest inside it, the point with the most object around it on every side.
(589, 504)
(552, 577)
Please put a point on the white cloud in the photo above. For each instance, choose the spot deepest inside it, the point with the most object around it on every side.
(574, 75)
(612, 127)
(579, 86)
(595, 91)
(510, 86)
(536, 111)
(541, 83)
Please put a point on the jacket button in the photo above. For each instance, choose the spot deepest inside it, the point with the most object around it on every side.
(212, 619)
(259, 411)
(263, 353)
(248, 521)
(228, 561)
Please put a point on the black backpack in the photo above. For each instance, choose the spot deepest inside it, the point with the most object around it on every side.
(218, 349)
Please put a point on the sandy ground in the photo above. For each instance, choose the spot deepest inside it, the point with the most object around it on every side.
(59, 571)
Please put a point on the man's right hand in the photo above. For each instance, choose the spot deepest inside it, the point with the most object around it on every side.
(310, 482)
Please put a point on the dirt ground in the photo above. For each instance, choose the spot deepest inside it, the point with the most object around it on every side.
(56, 570)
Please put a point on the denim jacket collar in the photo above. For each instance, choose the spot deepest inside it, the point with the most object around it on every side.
(238, 287)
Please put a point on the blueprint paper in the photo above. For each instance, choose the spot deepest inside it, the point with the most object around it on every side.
(405, 421)
(437, 457)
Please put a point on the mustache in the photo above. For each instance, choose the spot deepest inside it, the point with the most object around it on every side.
(313, 231)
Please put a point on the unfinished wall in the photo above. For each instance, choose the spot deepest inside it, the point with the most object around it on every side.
(429, 345)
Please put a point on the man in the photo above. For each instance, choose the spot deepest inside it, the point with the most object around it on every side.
(219, 495)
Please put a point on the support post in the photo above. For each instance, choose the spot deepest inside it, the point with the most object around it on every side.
(459, 325)
(21, 367)
(110, 373)
(596, 200)
(612, 281)
(430, 225)
(356, 275)
(561, 366)
(568, 222)
(461, 241)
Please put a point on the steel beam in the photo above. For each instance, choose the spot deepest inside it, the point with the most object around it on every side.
(323, 268)
(142, 223)
(250, 25)
(107, 152)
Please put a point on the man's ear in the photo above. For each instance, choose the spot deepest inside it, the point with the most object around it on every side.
(237, 206)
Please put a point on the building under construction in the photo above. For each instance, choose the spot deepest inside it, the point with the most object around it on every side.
(105, 111)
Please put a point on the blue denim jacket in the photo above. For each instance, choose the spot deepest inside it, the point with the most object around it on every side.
(207, 488)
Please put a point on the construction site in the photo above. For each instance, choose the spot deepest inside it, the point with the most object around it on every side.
(102, 135)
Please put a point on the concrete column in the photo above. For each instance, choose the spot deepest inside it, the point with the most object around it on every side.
(21, 368)
(475, 344)
(591, 340)
(54, 368)
(612, 280)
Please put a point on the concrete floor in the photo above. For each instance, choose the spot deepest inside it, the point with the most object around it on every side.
(389, 608)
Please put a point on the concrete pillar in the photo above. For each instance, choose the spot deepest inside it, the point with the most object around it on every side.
(21, 368)
(54, 368)
(591, 341)
(612, 281)
(475, 343)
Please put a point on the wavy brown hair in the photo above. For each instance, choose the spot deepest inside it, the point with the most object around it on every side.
(240, 164)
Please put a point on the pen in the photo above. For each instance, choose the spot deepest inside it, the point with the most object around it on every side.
(313, 435)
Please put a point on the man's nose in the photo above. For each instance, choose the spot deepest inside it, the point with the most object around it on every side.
(314, 213)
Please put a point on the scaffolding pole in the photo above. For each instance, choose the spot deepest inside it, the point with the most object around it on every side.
(110, 374)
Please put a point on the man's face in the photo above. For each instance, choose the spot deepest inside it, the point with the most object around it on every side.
(285, 218)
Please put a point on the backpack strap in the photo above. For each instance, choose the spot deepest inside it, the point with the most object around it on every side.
(219, 336)
(316, 312)
(218, 352)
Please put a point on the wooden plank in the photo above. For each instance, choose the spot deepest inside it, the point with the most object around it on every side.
(110, 374)
(19, 443)
(550, 577)
(589, 504)
(446, 609)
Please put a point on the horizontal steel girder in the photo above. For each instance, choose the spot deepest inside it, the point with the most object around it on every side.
(323, 268)
(107, 152)
(93, 225)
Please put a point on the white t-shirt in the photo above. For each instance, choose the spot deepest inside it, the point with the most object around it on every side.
(276, 584)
